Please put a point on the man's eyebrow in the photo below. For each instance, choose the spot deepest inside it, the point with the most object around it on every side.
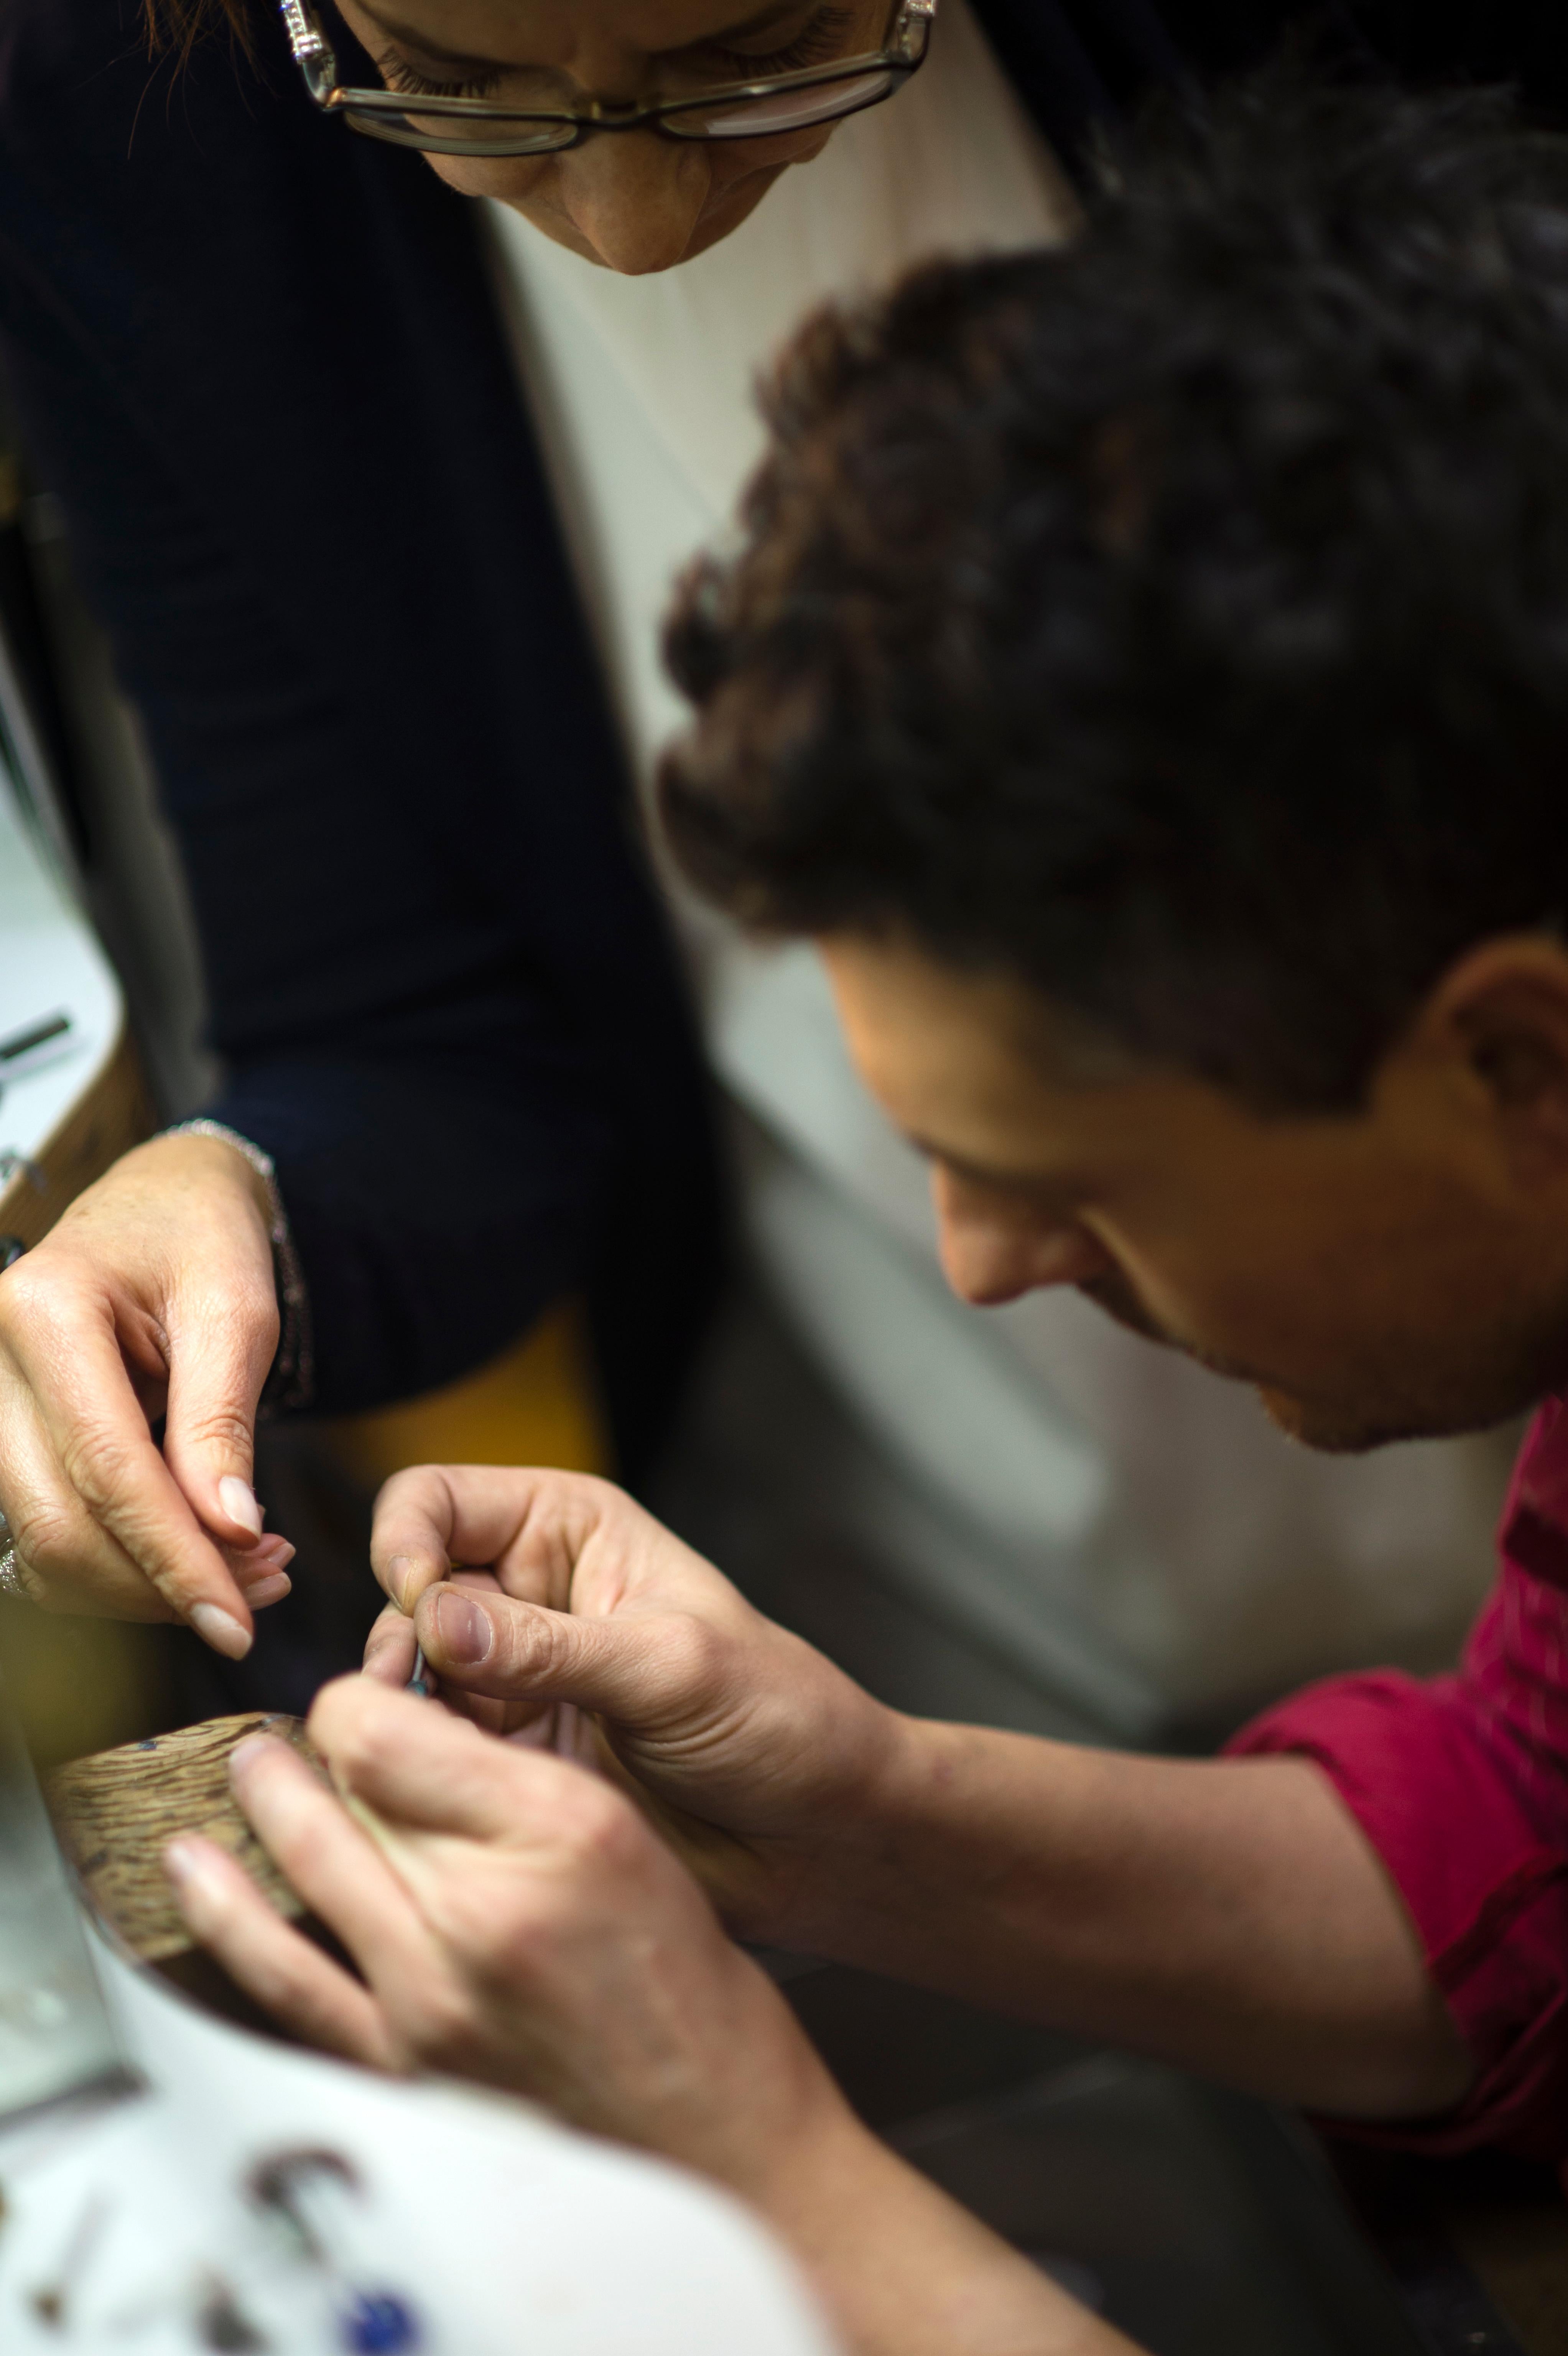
(929, 1152)
(1013, 1181)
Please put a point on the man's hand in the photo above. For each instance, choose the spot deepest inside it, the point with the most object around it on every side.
(754, 1754)
(153, 1295)
(1229, 1914)
(519, 1923)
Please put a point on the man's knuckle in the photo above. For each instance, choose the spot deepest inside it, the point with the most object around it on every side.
(362, 1749)
(600, 1830)
(440, 2027)
(494, 1940)
(694, 1652)
(30, 1297)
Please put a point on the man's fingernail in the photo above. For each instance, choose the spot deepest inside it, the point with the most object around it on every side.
(186, 1867)
(238, 1500)
(267, 1590)
(399, 1570)
(464, 1631)
(199, 1890)
(220, 1630)
(251, 1748)
(271, 1556)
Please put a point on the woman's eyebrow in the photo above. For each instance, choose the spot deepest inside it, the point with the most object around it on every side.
(410, 38)
(765, 21)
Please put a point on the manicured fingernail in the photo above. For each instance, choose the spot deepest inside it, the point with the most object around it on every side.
(269, 1590)
(463, 1629)
(238, 1500)
(220, 1630)
(273, 1555)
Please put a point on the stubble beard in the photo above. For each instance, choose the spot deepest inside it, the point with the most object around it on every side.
(1379, 1405)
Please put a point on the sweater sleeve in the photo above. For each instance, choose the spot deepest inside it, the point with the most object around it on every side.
(1461, 1785)
(259, 363)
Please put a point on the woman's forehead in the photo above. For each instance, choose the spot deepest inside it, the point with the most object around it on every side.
(552, 32)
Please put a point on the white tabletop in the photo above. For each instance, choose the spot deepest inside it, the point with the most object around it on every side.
(51, 964)
(492, 2231)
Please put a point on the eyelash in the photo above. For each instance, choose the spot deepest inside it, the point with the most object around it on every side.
(399, 75)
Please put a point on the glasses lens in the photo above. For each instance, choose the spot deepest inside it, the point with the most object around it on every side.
(782, 110)
(460, 134)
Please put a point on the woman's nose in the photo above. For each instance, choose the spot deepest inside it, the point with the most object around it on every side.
(635, 197)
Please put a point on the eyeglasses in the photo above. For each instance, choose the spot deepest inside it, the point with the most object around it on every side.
(446, 125)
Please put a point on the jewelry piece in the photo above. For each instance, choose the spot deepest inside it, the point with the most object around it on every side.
(10, 1577)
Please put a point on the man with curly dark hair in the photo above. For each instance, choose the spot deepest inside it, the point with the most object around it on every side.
(1145, 676)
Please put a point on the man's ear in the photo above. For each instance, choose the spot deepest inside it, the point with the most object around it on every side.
(1499, 1017)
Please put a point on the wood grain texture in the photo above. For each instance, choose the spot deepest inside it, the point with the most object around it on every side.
(116, 1812)
(114, 1114)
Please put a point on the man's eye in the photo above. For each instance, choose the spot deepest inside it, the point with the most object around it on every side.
(399, 75)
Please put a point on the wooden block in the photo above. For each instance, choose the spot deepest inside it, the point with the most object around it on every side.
(116, 1812)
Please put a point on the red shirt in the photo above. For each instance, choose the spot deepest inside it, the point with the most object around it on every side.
(1461, 1784)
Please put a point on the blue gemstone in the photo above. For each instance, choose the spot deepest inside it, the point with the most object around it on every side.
(378, 2324)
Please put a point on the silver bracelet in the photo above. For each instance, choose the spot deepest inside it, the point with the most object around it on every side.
(292, 1380)
(10, 1577)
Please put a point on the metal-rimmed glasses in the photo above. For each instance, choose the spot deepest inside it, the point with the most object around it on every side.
(763, 109)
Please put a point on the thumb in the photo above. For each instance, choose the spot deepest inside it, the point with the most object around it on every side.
(217, 1367)
(492, 1644)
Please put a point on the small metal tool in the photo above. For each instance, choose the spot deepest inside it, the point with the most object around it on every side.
(36, 1034)
(45, 1039)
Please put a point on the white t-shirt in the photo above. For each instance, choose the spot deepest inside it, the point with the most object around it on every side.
(1133, 1528)
(643, 386)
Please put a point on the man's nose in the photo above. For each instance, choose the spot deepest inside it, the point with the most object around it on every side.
(635, 198)
(988, 1261)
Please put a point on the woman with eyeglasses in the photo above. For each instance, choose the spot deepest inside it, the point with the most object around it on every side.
(380, 491)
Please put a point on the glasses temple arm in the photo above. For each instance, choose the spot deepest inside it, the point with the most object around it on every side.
(309, 46)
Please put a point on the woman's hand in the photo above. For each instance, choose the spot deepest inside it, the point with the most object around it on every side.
(519, 1923)
(757, 1759)
(153, 1295)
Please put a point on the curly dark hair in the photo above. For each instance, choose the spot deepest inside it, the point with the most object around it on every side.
(1179, 620)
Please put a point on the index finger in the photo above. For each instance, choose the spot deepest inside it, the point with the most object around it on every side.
(89, 1413)
(436, 1516)
(425, 1771)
